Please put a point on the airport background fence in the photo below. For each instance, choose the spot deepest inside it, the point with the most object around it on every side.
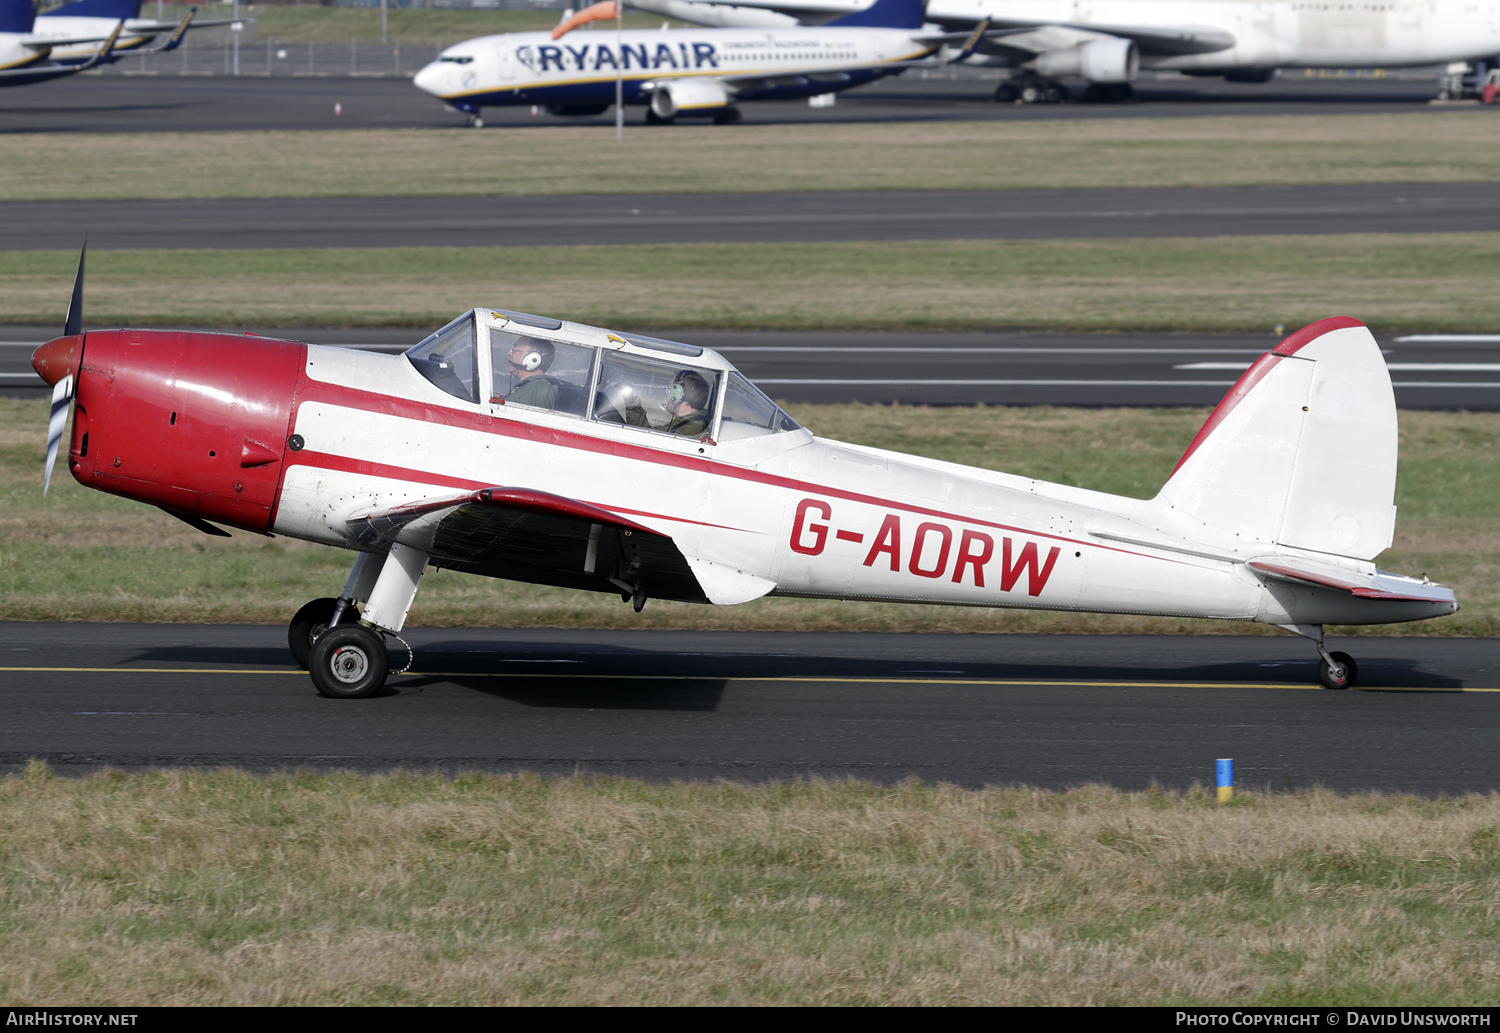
(283, 58)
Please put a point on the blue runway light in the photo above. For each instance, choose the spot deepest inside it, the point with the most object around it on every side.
(1224, 778)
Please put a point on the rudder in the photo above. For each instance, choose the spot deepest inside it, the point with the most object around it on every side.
(1302, 450)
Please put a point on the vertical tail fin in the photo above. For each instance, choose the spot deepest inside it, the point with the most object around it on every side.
(1302, 450)
(17, 15)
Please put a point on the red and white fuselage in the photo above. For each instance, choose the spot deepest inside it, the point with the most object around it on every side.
(364, 451)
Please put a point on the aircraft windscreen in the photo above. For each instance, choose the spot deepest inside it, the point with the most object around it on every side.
(749, 413)
(450, 359)
(540, 373)
(656, 395)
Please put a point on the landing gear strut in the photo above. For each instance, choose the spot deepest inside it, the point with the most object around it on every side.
(1031, 90)
(344, 650)
(1335, 670)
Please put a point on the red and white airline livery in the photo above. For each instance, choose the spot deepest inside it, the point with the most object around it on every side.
(533, 449)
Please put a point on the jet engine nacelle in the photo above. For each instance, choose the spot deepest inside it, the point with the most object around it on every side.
(1103, 60)
(684, 96)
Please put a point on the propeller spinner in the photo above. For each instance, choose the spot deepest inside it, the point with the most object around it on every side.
(54, 362)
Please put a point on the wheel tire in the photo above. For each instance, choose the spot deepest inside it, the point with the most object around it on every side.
(1030, 94)
(728, 117)
(1006, 93)
(349, 662)
(475, 122)
(653, 119)
(1056, 93)
(309, 622)
(1325, 672)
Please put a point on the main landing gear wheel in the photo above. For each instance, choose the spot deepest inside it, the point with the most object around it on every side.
(310, 622)
(653, 119)
(1340, 674)
(728, 117)
(475, 122)
(349, 662)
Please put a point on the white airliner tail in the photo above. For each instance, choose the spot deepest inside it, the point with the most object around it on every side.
(1302, 450)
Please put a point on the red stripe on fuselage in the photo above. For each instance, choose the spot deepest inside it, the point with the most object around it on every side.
(389, 405)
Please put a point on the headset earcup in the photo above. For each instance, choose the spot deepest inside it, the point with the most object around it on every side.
(532, 361)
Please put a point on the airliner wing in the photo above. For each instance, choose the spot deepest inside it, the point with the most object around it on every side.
(1153, 40)
(53, 70)
(48, 42)
(524, 535)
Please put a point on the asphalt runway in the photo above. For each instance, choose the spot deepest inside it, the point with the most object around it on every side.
(968, 368)
(740, 218)
(1051, 711)
(113, 103)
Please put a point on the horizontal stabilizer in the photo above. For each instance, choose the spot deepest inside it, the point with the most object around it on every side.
(1379, 584)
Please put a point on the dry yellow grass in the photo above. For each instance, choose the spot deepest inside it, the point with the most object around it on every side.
(184, 888)
(560, 159)
(1438, 280)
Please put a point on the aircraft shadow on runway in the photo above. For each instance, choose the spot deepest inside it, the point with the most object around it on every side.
(591, 675)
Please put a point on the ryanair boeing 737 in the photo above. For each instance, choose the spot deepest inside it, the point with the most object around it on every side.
(679, 72)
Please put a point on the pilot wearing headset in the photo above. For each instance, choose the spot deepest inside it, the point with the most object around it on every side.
(529, 360)
(687, 401)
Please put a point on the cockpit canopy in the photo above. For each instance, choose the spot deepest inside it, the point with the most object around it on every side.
(664, 387)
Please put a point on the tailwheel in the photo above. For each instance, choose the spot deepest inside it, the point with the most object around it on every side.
(309, 622)
(349, 661)
(1338, 674)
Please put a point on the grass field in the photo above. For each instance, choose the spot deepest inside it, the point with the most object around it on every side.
(561, 159)
(82, 555)
(188, 888)
(1412, 281)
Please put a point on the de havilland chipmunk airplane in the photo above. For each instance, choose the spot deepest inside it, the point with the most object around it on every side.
(680, 72)
(1107, 41)
(538, 450)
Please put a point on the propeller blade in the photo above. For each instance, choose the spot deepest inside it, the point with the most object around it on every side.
(74, 323)
(62, 394)
(62, 390)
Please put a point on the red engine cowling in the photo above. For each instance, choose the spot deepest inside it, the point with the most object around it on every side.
(192, 422)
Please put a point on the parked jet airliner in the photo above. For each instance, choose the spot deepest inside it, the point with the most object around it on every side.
(1107, 41)
(83, 19)
(76, 37)
(680, 71)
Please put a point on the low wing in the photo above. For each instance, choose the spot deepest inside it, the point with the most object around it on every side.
(1153, 40)
(1378, 585)
(523, 535)
(53, 70)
